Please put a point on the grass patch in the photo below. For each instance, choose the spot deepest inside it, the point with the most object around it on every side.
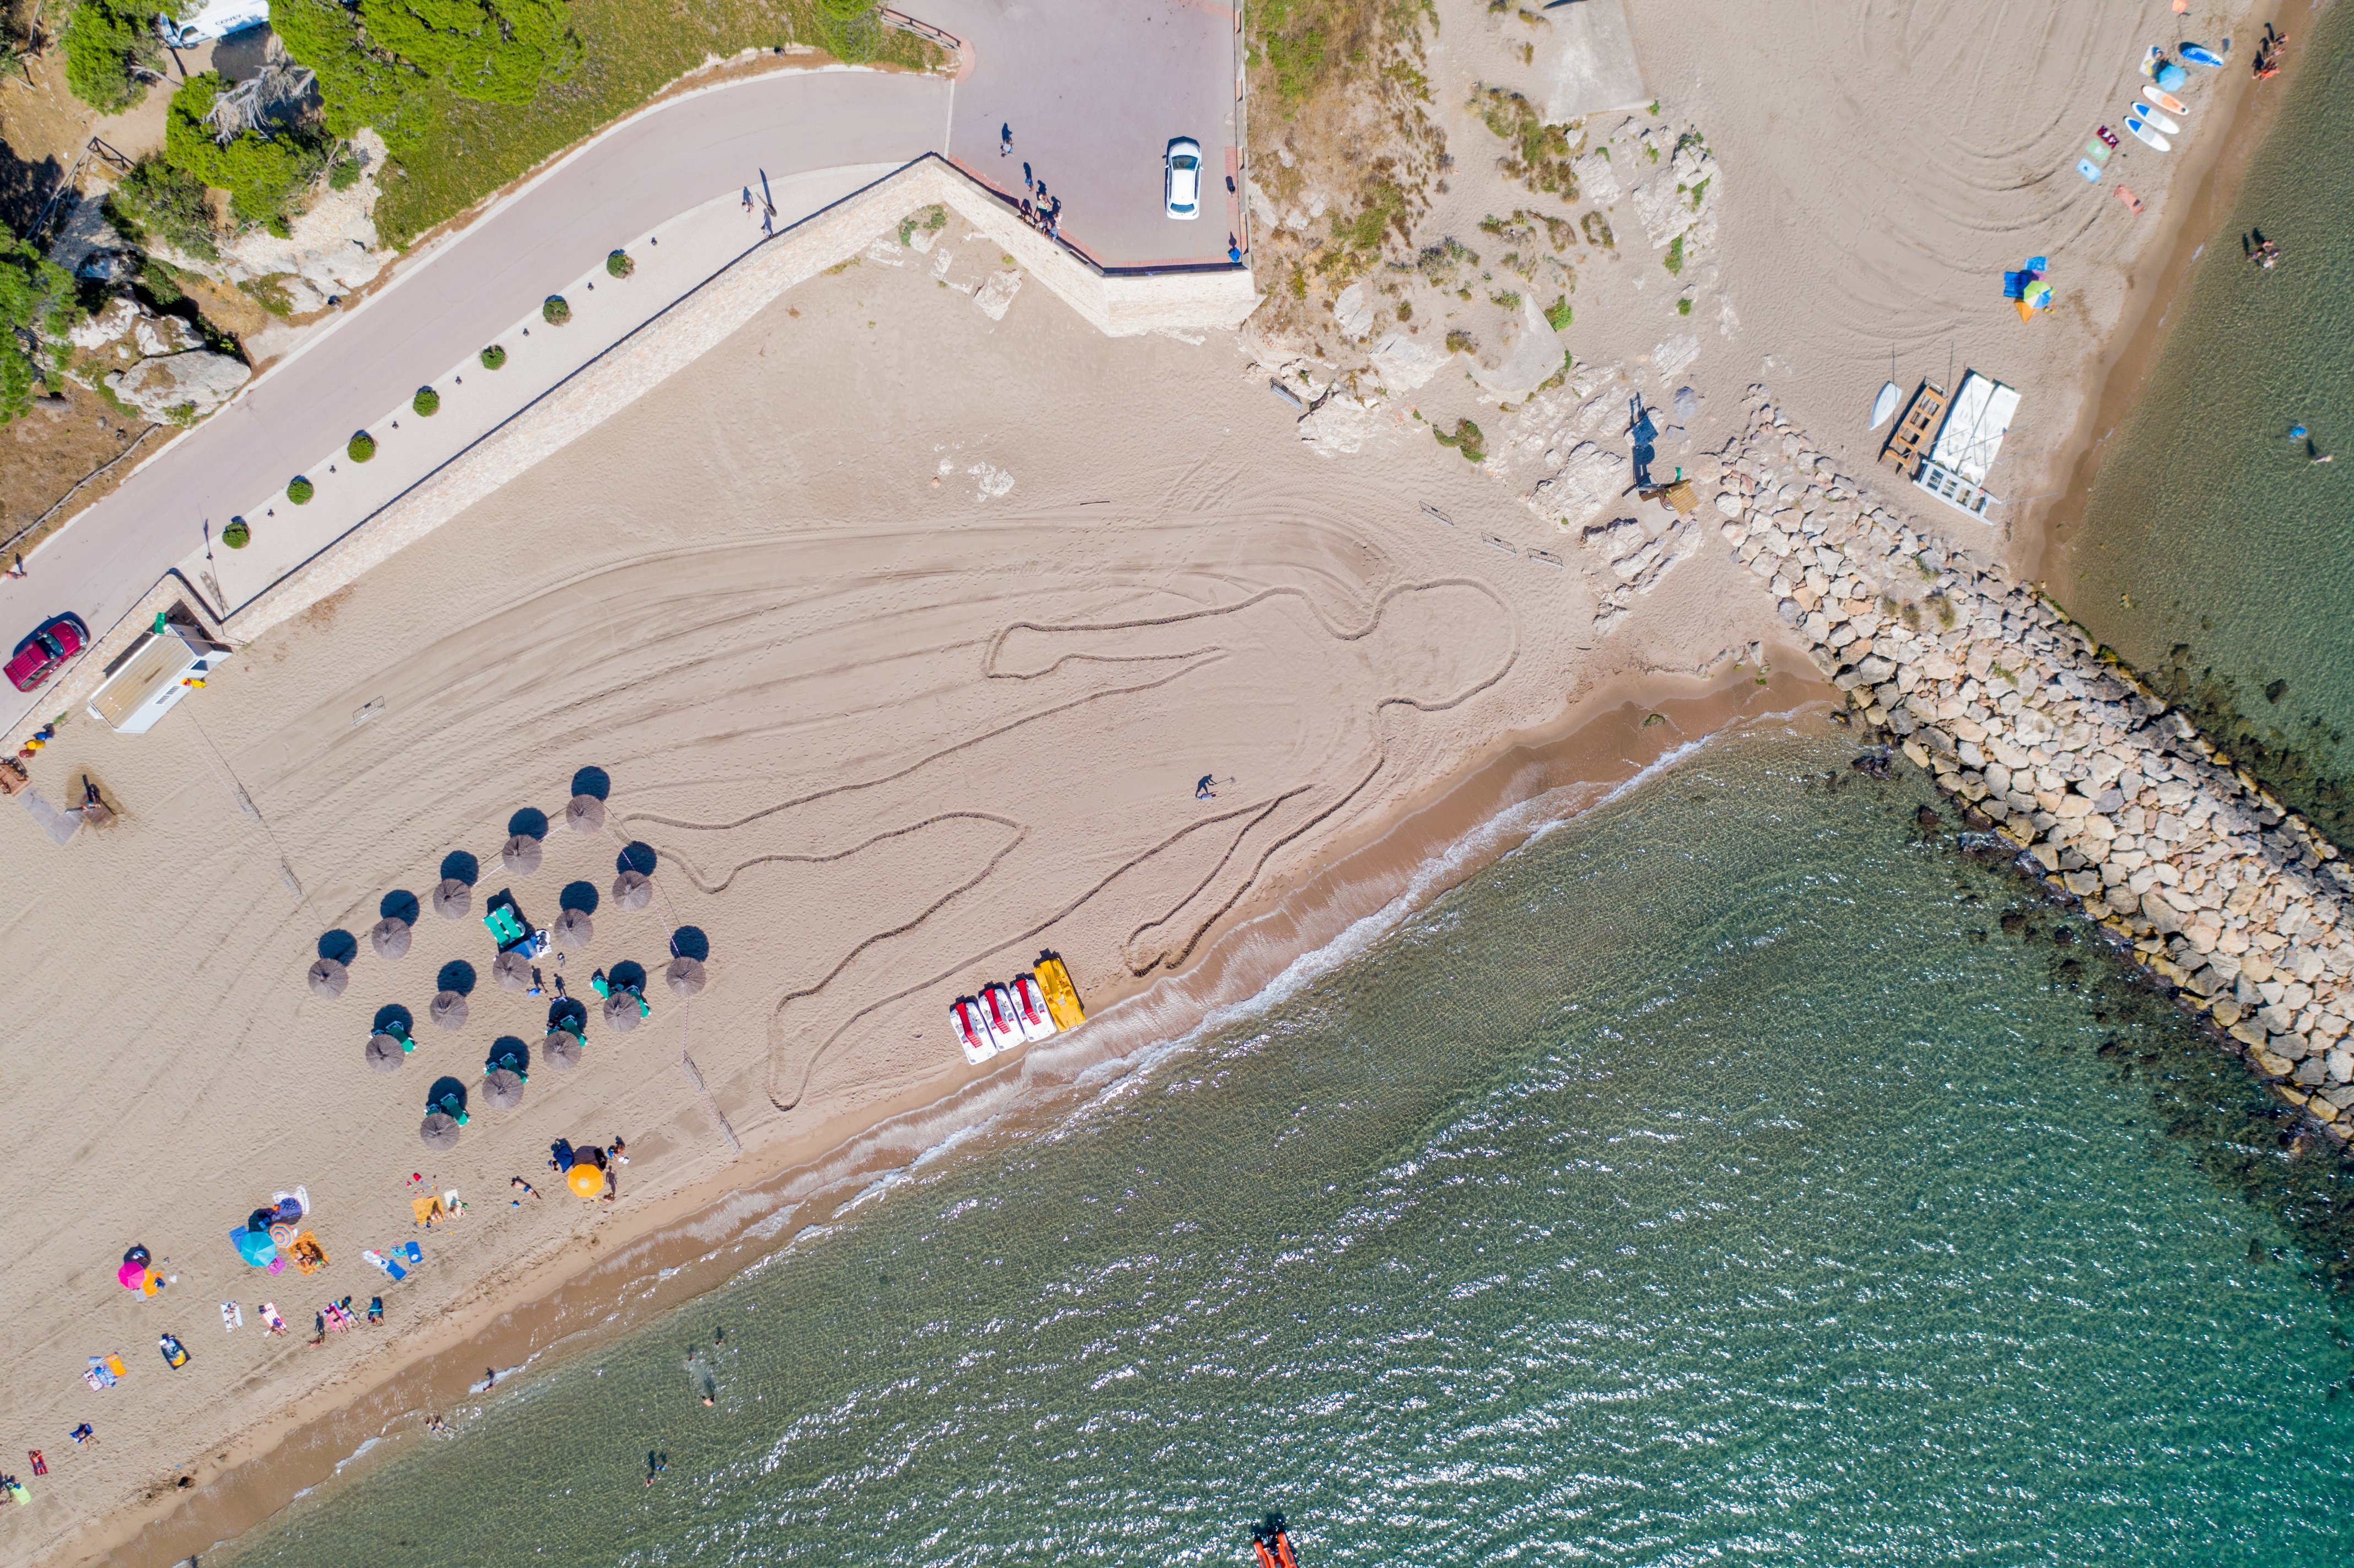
(1539, 157)
(1384, 205)
(270, 293)
(1508, 300)
(1458, 342)
(1683, 306)
(451, 151)
(1466, 439)
(1675, 258)
(1558, 314)
(1597, 231)
(932, 220)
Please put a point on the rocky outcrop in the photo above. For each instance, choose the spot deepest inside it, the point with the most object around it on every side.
(180, 388)
(2116, 796)
(331, 249)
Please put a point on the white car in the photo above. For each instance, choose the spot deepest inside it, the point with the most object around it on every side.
(1182, 165)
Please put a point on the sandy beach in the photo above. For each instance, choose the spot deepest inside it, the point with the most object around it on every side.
(903, 634)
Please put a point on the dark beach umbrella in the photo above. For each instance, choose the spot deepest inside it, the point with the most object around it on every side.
(521, 854)
(328, 978)
(453, 900)
(633, 890)
(572, 929)
(513, 972)
(685, 976)
(389, 938)
(621, 1011)
(440, 1131)
(560, 1049)
(449, 1011)
(384, 1053)
(585, 815)
(503, 1089)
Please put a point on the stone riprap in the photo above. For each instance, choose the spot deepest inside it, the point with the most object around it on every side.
(2219, 889)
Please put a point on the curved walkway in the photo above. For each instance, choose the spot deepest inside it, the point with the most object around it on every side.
(1093, 90)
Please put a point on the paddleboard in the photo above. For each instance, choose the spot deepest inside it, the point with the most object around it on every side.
(2200, 54)
(2164, 101)
(2148, 137)
(2089, 169)
(2158, 121)
(2096, 151)
(1883, 408)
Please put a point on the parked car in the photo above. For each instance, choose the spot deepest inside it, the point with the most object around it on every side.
(1181, 166)
(53, 642)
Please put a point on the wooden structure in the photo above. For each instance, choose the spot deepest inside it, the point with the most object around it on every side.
(1914, 429)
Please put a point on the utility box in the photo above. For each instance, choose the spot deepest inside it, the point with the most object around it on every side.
(148, 679)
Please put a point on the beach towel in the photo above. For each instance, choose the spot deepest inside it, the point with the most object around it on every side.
(114, 1364)
(451, 1206)
(99, 1376)
(386, 1263)
(427, 1210)
(40, 1466)
(415, 1254)
(232, 1316)
(309, 1255)
(270, 1320)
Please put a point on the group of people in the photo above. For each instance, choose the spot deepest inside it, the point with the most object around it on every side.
(2263, 252)
(2268, 53)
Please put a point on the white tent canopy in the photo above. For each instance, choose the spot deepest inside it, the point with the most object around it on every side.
(1975, 427)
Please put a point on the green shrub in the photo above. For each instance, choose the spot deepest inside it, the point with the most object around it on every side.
(492, 51)
(1558, 314)
(1466, 439)
(357, 85)
(619, 265)
(36, 306)
(849, 30)
(1683, 307)
(553, 311)
(299, 490)
(277, 224)
(426, 403)
(344, 174)
(103, 40)
(494, 356)
(361, 447)
(237, 535)
(157, 200)
(1675, 260)
(262, 174)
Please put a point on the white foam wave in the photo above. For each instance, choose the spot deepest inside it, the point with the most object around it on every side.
(355, 1455)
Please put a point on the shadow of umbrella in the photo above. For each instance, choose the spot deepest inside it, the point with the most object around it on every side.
(572, 929)
(580, 895)
(513, 972)
(449, 1011)
(685, 976)
(384, 1053)
(340, 946)
(561, 1049)
(586, 814)
(389, 938)
(328, 978)
(633, 890)
(459, 866)
(593, 781)
(454, 899)
(398, 905)
(503, 1089)
(638, 856)
(520, 855)
(621, 1011)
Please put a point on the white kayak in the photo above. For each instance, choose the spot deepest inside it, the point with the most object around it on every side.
(1883, 408)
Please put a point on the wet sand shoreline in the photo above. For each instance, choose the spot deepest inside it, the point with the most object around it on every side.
(666, 1256)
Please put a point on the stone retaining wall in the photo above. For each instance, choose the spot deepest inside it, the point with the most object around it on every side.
(2218, 887)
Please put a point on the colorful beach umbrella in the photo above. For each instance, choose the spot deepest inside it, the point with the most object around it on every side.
(585, 1180)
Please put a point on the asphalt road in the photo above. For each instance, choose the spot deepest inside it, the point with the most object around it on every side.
(1093, 90)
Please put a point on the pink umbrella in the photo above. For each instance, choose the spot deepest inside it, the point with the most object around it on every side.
(132, 1275)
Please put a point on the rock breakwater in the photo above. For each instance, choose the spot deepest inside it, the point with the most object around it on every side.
(2046, 738)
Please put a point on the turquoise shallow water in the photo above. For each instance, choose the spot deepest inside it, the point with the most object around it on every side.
(1715, 1178)
(2210, 541)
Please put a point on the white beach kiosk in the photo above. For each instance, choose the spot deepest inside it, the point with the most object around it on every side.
(1954, 470)
(148, 679)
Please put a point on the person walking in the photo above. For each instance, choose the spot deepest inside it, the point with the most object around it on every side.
(18, 569)
(1005, 140)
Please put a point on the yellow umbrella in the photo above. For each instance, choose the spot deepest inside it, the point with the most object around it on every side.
(587, 1180)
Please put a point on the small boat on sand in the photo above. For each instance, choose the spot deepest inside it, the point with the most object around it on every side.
(1061, 996)
(1883, 408)
(971, 1033)
(998, 1011)
(1030, 1008)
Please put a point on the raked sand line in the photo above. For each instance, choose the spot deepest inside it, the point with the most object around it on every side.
(2222, 890)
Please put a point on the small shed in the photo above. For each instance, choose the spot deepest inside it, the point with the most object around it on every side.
(148, 679)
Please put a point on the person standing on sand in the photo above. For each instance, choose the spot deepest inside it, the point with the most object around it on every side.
(1005, 140)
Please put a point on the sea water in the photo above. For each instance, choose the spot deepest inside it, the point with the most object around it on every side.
(1737, 1170)
(2211, 541)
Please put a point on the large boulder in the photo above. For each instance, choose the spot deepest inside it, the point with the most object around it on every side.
(180, 385)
